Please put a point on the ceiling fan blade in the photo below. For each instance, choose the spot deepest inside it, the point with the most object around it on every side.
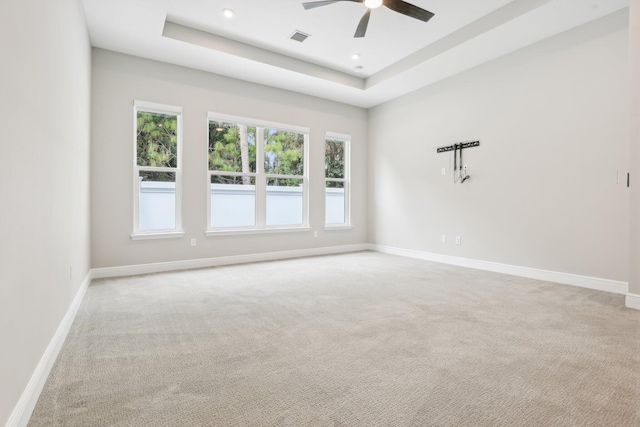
(314, 4)
(408, 9)
(362, 26)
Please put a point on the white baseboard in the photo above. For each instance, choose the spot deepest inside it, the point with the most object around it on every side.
(23, 409)
(633, 301)
(599, 284)
(132, 270)
(596, 283)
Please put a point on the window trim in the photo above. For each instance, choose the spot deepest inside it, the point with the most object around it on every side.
(261, 178)
(177, 232)
(346, 139)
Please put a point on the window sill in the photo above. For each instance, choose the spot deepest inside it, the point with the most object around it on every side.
(159, 235)
(338, 227)
(231, 232)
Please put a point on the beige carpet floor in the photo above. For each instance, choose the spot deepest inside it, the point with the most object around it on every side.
(361, 339)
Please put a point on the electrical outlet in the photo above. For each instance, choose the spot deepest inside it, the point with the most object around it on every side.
(444, 238)
(193, 242)
(458, 240)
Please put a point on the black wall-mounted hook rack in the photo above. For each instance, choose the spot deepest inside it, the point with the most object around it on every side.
(458, 146)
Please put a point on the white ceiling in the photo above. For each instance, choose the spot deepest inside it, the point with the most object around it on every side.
(399, 54)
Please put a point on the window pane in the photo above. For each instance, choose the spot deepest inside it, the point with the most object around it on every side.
(334, 159)
(157, 139)
(232, 147)
(233, 201)
(284, 201)
(283, 152)
(157, 201)
(334, 203)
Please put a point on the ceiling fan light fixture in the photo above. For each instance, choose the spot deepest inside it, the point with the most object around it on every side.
(372, 4)
(227, 13)
(399, 6)
(355, 56)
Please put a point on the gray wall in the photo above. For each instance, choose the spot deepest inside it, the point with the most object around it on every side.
(119, 79)
(634, 52)
(553, 121)
(45, 78)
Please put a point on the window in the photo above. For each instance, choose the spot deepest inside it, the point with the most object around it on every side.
(336, 172)
(157, 170)
(257, 176)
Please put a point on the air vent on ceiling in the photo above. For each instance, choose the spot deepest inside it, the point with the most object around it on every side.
(299, 36)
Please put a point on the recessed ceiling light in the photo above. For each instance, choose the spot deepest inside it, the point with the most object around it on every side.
(355, 56)
(228, 13)
(372, 4)
(358, 69)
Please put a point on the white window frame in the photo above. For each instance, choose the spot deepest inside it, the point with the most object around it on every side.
(260, 179)
(177, 232)
(346, 139)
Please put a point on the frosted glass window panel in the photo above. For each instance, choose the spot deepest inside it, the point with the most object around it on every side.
(233, 201)
(334, 203)
(157, 201)
(285, 202)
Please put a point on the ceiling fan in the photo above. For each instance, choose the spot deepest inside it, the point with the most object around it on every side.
(395, 5)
